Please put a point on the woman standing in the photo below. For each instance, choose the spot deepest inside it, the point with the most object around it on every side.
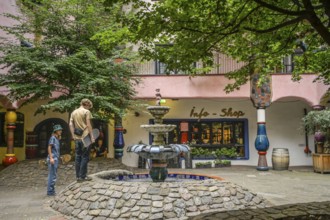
(53, 158)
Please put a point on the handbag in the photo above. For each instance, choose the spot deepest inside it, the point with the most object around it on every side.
(78, 131)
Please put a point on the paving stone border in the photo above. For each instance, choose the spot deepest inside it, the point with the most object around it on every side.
(108, 199)
(302, 211)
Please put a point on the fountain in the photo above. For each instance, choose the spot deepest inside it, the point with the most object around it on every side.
(158, 151)
(121, 194)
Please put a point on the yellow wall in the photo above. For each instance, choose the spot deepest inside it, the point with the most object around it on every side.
(31, 120)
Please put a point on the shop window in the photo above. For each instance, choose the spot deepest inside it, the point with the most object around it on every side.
(18, 132)
(211, 134)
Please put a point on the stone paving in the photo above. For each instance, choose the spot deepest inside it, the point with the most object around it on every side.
(109, 199)
(23, 189)
(28, 170)
(310, 211)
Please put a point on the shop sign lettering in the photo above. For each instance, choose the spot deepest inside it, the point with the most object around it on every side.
(225, 112)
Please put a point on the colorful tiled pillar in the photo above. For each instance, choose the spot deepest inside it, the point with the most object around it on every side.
(261, 143)
(261, 98)
(10, 157)
(118, 142)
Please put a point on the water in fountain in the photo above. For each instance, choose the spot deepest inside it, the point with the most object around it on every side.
(158, 151)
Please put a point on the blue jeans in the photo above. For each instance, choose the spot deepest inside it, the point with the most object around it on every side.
(82, 159)
(52, 175)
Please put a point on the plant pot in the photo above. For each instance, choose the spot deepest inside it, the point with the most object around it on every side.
(319, 137)
(321, 163)
(319, 148)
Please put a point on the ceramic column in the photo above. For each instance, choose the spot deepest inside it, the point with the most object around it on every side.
(261, 143)
(10, 157)
(118, 142)
(261, 98)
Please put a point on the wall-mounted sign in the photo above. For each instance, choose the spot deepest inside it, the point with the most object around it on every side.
(184, 126)
(225, 112)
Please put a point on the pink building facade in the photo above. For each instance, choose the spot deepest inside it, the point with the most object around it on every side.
(206, 116)
(201, 101)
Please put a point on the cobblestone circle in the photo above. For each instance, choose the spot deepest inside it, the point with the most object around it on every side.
(109, 199)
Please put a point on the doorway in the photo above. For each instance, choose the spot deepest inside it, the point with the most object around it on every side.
(44, 130)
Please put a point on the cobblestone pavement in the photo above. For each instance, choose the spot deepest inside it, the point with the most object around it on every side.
(298, 193)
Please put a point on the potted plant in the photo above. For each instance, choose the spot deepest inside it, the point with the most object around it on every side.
(318, 123)
(201, 153)
(207, 164)
(226, 153)
(222, 163)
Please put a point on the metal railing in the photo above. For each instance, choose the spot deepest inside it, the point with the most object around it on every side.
(223, 64)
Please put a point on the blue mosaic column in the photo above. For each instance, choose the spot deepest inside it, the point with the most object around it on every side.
(118, 142)
(261, 143)
(261, 97)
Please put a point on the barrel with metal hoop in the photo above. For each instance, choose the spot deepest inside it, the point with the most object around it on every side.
(280, 159)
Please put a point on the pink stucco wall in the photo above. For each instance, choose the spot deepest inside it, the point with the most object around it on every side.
(183, 86)
(212, 86)
(311, 92)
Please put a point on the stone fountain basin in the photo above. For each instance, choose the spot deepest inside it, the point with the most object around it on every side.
(158, 109)
(159, 152)
(103, 198)
(158, 128)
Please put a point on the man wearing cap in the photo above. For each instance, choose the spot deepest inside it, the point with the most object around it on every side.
(53, 158)
(80, 127)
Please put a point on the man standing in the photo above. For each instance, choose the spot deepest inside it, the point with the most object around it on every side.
(80, 127)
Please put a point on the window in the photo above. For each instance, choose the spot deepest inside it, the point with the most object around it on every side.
(211, 134)
(161, 69)
(288, 64)
(101, 143)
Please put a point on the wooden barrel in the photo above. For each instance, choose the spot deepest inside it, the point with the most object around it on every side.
(280, 159)
(31, 151)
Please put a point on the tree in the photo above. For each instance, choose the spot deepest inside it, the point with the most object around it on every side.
(62, 62)
(258, 32)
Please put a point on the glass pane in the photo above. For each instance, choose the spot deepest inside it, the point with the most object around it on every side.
(241, 151)
(228, 133)
(205, 133)
(19, 131)
(239, 133)
(216, 132)
(175, 136)
(195, 133)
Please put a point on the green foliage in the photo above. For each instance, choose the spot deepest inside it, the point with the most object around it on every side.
(203, 163)
(222, 162)
(201, 151)
(67, 62)
(317, 121)
(226, 152)
(258, 32)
